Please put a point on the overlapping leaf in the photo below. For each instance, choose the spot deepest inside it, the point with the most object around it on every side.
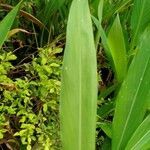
(133, 96)
(140, 19)
(141, 137)
(118, 49)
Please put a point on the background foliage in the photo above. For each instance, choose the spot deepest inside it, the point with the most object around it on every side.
(31, 65)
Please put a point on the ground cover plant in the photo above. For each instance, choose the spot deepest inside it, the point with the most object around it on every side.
(74, 75)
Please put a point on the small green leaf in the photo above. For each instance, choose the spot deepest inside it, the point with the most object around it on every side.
(43, 60)
(10, 56)
(57, 50)
(28, 147)
(45, 107)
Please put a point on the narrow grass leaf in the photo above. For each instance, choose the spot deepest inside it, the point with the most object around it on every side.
(51, 6)
(103, 36)
(79, 81)
(105, 109)
(141, 137)
(100, 15)
(133, 97)
(6, 24)
(106, 127)
(100, 10)
(26, 15)
(16, 30)
(118, 7)
(117, 49)
(139, 19)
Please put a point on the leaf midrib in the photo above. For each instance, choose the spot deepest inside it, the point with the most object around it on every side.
(80, 86)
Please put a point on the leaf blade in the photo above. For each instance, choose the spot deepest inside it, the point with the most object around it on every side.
(139, 19)
(79, 81)
(117, 49)
(7, 22)
(134, 88)
(141, 137)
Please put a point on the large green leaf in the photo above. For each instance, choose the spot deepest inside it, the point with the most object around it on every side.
(79, 81)
(6, 24)
(117, 49)
(141, 137)
(139, 19)
(133, 96)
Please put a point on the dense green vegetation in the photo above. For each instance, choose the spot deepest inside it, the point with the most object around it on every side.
(74, 75)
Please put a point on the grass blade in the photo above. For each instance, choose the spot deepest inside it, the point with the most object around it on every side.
(105, 109)
(106, 127)
(103, 36)
(16, 30)
(50, 8)
(98, 22)
(26, 15)
(118, 50)
(100, 10)
(139, 19)
(133, 96)
(6, 23)
(79, 81)
(141, 137)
